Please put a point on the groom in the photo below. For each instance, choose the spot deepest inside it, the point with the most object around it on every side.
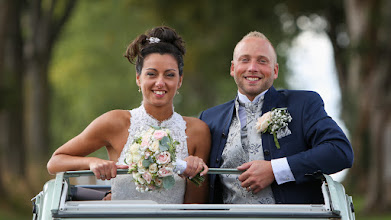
(286, 170)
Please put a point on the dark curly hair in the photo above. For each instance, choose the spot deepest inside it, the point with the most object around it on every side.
(170, 43)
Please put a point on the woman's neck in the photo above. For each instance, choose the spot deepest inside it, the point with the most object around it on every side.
(160, 113)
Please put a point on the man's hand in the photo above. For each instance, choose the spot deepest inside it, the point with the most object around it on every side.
(258, 175)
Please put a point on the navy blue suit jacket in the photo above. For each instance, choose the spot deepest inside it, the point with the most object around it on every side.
(317, 145)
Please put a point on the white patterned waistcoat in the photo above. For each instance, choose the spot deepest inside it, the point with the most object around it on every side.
(243, 145)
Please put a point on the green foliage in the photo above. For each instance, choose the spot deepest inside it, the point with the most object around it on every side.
(168, 182)
(164, 144)
(89, 76)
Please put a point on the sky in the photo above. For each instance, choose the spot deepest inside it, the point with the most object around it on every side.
(312, 63)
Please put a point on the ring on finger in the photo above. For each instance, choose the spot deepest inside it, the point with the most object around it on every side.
(249, 188)
(102, 176)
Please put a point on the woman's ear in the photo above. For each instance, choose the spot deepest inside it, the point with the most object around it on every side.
(138, 80)
(180, 82)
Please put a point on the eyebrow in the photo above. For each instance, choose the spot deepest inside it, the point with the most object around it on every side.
(167, 70)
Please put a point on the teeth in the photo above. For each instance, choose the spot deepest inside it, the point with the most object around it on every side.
(252, 78)
(159, 92)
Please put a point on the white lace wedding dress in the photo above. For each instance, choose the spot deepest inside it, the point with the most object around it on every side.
(123, 187)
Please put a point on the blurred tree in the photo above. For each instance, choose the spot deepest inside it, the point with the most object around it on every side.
(28, 31)
(89, 75)
(365, 78)
(359, 31)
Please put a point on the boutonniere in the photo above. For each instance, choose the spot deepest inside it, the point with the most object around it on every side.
(275, 122)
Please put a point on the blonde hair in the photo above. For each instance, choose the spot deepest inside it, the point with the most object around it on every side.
(255, 34)
(258, 35)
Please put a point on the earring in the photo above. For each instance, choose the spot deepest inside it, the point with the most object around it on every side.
(139, 89)
(177, 92)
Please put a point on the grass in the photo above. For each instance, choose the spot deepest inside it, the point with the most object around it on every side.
(7, 213)
(360, 215)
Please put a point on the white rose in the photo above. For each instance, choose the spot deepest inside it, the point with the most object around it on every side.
(141, 180)
(153, 168)
(136, 175)
(129, 158)
(154, 146)
(134, 148)
(263, 122)
(136, 158)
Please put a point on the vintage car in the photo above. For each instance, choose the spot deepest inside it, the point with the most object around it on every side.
(61, 199)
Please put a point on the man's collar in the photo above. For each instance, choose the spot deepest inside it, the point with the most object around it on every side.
(243, 98)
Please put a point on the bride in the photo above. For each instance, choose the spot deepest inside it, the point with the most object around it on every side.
(158, 57)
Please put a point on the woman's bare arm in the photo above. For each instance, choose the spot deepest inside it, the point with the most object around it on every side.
(106, 130)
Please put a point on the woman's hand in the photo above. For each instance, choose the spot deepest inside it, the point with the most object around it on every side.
(105, 169)
(194, 166)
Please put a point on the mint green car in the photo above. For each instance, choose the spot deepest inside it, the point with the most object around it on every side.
(62, 200)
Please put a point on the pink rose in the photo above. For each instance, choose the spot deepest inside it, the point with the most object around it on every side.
(159, 134)
(164, 172)
(263, 122)
(163, 158)
(148, 177)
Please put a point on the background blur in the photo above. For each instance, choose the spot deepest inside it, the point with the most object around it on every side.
(61, 66)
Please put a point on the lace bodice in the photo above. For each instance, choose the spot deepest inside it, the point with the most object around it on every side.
(123, 188)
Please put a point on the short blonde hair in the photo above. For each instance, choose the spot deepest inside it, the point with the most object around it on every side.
(255, 34)
(259, 35)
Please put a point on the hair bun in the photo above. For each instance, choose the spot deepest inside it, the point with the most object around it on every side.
(162, 40)
(168, 35)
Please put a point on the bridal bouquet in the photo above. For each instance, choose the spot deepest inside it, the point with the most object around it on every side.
(152, 161)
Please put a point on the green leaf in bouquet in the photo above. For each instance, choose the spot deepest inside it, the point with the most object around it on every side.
(156, 127)
(168, 182)
(164, 144)
(163, 148)
(146, 163)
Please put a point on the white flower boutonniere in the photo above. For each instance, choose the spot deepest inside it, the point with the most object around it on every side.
(275, 122)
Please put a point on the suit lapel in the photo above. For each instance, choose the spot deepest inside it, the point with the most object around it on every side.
(270, 102)
(225, 128)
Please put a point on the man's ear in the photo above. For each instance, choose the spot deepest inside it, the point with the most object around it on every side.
(275, 71)
(232, 73)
